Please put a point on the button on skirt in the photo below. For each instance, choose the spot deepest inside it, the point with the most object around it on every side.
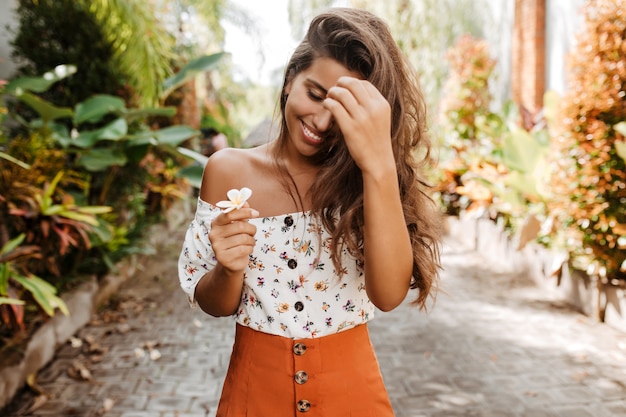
(330, 376)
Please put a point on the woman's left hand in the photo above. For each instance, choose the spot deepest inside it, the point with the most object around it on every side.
(364, 117)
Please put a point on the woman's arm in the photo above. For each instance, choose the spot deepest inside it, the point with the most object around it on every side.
(364, 117)
(218, 292)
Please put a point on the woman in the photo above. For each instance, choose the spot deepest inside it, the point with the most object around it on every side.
(338, 224)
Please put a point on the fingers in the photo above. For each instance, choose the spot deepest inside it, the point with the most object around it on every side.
(232, 237)
(243, 213)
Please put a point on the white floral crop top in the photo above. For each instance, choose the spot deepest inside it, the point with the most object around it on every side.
(291, 288)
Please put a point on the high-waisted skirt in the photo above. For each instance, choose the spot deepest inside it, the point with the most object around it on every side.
(330, 376)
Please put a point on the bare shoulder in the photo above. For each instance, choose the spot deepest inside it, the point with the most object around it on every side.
(232, 168)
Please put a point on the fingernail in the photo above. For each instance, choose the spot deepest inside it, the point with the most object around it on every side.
(255, 213)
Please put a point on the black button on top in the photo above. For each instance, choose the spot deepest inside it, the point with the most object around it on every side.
(299, 349)
(298, 306)
(288, 221)
(292, 264)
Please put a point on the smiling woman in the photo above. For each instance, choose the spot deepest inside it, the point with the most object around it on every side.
(339, 224)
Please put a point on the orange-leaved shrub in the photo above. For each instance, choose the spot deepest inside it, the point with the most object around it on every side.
(589, 178)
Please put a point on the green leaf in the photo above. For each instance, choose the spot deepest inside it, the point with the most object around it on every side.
(14, 160)
(621, 128)
(96, 160)
(43, 83)
(620, 147)
(193, 174)
(94, 109)
(521, 151)
(551, 101)
(13, 301)
(194, 67)
(115, 130)
(191, 154)
(47, 111)
(522, 183)
(79, 217)
(96, 209)
(173, 135)
(43, 293)
(12, 244)
(86, 139)
(158, 111)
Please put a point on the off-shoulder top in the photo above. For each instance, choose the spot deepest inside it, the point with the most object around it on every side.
(291, 287)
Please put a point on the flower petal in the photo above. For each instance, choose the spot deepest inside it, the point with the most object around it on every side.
(224, 204)
(244, 194)
(233, 195)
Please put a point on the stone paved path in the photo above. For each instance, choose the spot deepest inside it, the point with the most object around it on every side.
(491, 346)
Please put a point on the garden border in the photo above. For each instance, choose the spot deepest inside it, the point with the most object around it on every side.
(550, 270)
(44, 342)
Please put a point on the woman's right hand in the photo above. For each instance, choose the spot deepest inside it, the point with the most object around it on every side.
(232, 238)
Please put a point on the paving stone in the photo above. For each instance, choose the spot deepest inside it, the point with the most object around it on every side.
(491, 346)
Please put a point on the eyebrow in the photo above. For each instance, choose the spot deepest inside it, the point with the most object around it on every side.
(317, 85)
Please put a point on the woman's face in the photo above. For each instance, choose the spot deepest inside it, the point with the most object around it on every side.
(308, 122)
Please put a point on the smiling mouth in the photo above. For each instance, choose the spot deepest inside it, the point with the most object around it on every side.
(310, 135)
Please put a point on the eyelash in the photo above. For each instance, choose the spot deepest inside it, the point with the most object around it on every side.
(314, 96)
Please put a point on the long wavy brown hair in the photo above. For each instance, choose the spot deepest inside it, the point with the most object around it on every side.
(363, 43)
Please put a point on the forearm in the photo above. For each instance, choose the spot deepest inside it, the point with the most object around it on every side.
(387, 244)
(218, 293)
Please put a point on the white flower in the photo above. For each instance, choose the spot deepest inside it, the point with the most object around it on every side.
(236, 199)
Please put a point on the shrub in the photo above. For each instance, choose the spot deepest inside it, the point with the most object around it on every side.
(589, 179)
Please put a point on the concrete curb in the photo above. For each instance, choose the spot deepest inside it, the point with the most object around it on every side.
(42, 345)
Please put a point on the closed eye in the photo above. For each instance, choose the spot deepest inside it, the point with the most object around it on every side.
(314, 96)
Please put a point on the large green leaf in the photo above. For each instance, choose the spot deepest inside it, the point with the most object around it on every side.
(40, 84)
(115, 130)
(521, 151)
(193, 174)
(173, 135)
(522, 183)
(46, 110)
(132, 114)
(194, 67)
(100, 159)
(94, 109)
(191, 154)
(43, 293)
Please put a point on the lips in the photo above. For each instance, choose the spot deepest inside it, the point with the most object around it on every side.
(310, 136)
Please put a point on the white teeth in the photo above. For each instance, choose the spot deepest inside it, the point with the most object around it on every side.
(311, 134)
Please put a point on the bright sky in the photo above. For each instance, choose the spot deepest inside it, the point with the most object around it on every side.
(276, 41)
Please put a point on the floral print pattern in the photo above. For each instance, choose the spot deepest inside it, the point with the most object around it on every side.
(291, 288)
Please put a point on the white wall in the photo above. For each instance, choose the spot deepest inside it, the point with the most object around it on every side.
(564, 20)
(500, 36)
(7, 17)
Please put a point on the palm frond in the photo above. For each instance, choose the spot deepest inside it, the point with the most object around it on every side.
(143, 45)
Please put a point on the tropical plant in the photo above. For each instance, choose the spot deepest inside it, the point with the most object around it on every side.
(16, 282)
(589, 178)
(122, 48)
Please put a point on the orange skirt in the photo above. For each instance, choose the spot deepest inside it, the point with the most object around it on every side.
(332, 376)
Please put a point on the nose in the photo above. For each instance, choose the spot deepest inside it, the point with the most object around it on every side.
(323, 120)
